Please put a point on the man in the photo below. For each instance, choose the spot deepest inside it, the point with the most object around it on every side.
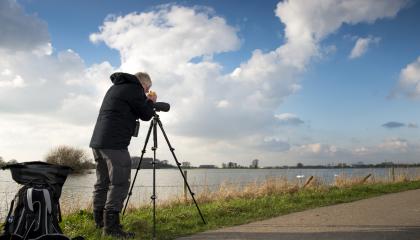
(124, 103)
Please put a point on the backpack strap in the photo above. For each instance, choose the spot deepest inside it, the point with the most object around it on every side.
(47, 199)
(29, 202)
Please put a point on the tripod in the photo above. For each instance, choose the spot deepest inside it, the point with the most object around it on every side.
(153, 126)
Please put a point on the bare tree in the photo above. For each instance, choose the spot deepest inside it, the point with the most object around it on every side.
(70, 156)
(12, 161)
(2, 162)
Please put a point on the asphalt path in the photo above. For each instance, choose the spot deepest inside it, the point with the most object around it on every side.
(393, 216)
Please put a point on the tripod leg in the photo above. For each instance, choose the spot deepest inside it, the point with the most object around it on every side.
(154, 176)
(138, 166)
(179, 167)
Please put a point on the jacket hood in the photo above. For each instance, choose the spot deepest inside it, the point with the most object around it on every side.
(122, 78)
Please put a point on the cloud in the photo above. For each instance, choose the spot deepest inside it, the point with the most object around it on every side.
(362, 45)
(309, 22)
(398, 150)
(47, 84)
(204, 97)
(395, 150)
(20, 31)
(289, 119)
(47, 98)
(171, 35)
(315, 149)
(8, 80)
(274, 144)
(391, 125)
(38, 81)
(28, 137)
(409, 81)
(394, 144)
(173, 38)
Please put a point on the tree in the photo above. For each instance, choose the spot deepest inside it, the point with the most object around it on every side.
(299, 165)
(2, 162)
(12, 161)
(71, 157)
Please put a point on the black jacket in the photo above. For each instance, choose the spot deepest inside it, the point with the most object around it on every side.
(124, 102)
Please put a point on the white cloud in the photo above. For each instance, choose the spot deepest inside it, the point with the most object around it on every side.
(223, 104)
(309, 22)
(288, 119)
(394, 144)
(11, 82)
(253, 90)
(39, 84)
(362, 45)
(170, 36)
(409, 80)
(315, 149)
(361, 151)
(6, 72)
(46, 98)
(202, 96)
(28, 137)
(395, 149)
(46, 49)
(274, 144)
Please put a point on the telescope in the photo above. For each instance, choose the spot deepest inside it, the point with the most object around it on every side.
(161, 106)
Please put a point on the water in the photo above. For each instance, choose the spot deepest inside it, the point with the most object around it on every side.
(77, 191)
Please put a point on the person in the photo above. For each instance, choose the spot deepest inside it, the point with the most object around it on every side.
(126, 101)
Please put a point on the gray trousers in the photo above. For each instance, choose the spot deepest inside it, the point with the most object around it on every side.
(113, 170)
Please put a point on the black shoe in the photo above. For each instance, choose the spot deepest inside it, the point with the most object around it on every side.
(98, 216)
(113, 227)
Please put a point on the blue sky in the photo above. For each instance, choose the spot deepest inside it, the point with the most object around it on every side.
(284, 82)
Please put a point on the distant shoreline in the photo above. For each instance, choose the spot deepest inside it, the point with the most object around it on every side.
(311, 167)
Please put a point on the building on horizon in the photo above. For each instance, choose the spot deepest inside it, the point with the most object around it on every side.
(232, 165)
(254, 163)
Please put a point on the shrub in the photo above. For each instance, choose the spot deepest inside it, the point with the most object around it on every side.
(70, 156)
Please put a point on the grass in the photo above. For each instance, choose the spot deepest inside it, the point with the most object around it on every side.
(233, 206)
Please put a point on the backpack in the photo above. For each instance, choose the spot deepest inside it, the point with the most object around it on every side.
(35, 210)
(33, 213)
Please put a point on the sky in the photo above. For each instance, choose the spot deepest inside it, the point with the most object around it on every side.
(315, 82)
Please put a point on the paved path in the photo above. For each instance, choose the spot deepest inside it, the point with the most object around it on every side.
(389, 217)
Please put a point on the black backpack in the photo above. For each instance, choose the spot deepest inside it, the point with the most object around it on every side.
(35, 211)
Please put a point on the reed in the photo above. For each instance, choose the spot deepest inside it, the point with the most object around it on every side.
(252, 190)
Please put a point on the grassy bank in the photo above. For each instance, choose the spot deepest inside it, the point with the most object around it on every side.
(230, 208)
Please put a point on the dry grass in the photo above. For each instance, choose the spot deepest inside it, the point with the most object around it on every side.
(251, 190)
(274, 185)
(73, 204)
(342, 180)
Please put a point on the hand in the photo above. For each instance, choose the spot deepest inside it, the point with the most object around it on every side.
(152, 96)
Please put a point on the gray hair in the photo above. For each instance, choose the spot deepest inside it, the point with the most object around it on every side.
(144, 79)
